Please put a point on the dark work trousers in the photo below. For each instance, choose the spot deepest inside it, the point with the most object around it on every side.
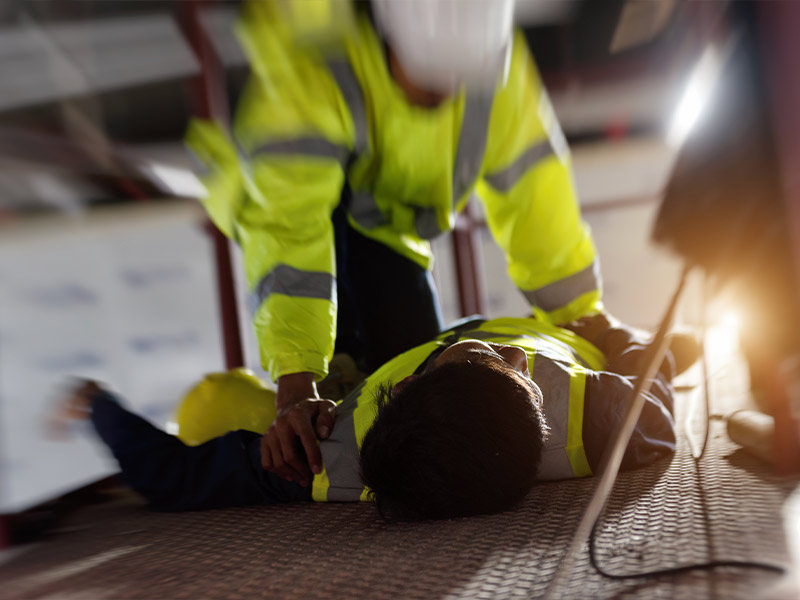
(225, 471)
(387, 303)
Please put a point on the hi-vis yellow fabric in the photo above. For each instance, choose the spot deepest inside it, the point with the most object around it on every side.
(557, 359)
(310, 121)
(223, 402)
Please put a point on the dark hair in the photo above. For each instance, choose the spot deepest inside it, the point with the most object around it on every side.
(462, 439)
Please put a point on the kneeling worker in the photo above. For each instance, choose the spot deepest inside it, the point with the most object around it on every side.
(347, 157)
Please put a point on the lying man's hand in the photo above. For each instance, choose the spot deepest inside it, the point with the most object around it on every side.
(624, 346)
(289, 448)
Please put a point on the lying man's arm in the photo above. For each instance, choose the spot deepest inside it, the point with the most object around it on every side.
(222, 472)
(623, 345)
(608, 396)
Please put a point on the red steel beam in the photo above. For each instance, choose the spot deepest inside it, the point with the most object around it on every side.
(465, 255)
(210, 102)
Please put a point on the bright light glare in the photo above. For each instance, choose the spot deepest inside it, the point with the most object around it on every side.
(180, 182)
(695, 98)
(172, 428)
(722, 339)
(731, 321)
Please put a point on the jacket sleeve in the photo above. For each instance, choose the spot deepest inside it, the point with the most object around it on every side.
(607, 398)
(293, 133)
(529, 195)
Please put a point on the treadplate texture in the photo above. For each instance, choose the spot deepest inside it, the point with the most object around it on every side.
(665, 515)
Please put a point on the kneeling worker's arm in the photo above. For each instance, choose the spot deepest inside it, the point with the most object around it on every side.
(289, 448)
(531, 204)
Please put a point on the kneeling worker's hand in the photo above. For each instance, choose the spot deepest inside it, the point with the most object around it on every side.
(289, 448)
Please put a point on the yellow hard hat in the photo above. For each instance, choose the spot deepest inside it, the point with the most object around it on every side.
(224, 402)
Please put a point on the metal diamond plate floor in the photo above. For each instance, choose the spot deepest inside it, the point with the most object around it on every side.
(665, 515)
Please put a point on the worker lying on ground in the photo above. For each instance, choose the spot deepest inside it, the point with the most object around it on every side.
(464, 424)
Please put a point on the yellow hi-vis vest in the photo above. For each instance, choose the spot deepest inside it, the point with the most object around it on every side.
(557, 360)
(310, 121)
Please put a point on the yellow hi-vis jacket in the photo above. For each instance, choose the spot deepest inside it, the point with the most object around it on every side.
(557, 359)
(308, 122)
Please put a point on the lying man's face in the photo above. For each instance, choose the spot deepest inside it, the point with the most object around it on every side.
(512, 360)
(467, 351)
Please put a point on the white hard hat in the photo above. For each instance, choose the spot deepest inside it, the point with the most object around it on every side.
(443, 44)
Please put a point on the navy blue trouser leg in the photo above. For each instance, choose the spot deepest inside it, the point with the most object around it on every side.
(225, 471)
(387, 303)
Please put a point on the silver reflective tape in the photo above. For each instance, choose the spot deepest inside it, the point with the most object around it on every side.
(340, 453)
(341, 459)
(307, 147)
(471, 143)
(365, 211)
(354, 97)
(555, 465)
(201, 169)
(426, 222)
(553, 378)
(253, 304)
(297, 283)
(344, 494)
(564, 291)
(504, 180)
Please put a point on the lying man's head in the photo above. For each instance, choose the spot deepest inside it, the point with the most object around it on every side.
(463, 438)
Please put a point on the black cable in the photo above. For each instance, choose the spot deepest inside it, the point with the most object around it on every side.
(614, 453)
(714, 564)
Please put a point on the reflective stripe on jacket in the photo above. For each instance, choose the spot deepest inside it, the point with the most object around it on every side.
(308, 122)
(557, 359)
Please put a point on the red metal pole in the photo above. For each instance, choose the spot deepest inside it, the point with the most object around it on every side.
(210, 102)
(5, 532)
(465, 241)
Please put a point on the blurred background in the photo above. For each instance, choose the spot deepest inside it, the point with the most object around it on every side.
(678, 116)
